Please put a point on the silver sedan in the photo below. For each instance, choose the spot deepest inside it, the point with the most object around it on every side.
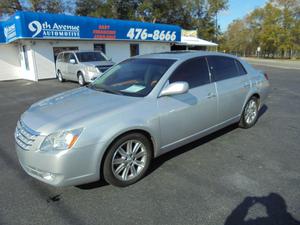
(137, 110)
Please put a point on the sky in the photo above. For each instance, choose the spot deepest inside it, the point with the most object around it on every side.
(237, 10)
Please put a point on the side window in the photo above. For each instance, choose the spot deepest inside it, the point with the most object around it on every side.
(241, 68)
(58, 59)
(66, 57)
(194, 72)
(72, 56)
(222, 67)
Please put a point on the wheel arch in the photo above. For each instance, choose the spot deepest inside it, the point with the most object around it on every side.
(140, 130)
(143, 131)
(79, 72)
(250, 95)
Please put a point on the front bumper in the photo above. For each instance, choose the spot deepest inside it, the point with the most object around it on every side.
(71, 167)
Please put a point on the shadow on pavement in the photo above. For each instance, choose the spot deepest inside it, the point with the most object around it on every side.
(275, 207)
(93, 185)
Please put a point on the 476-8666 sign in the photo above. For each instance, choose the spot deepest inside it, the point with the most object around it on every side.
(156, 35)
(58, 26)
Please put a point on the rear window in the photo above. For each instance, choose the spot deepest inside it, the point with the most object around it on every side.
(241, 68)
(222, 67)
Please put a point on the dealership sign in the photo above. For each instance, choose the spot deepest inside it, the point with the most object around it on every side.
(57, 26)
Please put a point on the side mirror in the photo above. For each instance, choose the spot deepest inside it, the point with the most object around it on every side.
(175, 88)
(72, 61)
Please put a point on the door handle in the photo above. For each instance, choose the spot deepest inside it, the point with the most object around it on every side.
(211, 95)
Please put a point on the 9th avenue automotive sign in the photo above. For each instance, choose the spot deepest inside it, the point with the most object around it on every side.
(53, 26)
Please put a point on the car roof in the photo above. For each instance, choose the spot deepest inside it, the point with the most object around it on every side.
(76, 51)
(182, 54)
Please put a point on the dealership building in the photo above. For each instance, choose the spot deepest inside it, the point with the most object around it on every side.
(30, 42)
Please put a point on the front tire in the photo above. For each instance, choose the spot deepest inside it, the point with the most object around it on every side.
(250, 114)
(81, 80)
(60, 77)
(127, 160)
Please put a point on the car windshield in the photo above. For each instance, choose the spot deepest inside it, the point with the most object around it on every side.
(90, 56)
(133, 77)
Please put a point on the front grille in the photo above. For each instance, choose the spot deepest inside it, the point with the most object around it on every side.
(102, 69)
(25, 136)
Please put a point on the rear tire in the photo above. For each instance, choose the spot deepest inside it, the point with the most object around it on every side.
(250, 113)
(127, 160)
(60, 77)
(81, 80)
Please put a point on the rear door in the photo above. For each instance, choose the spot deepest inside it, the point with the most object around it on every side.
(232, 85)
(183, 116)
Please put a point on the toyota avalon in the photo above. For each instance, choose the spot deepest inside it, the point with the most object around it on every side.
(139, 109)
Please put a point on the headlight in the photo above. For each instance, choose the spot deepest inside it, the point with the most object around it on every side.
(61, 140)
(92, 69)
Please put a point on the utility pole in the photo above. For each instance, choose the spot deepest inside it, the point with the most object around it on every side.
(216, 27)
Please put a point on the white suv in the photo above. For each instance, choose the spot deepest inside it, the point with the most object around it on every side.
(81, 66)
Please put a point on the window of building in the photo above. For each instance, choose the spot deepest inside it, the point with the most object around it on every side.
(194, 72)
(222, 67)
(25, 51)
(100, 47)
(134, 49)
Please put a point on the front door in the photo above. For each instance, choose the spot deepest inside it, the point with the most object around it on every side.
(184, 116)
(72, 68)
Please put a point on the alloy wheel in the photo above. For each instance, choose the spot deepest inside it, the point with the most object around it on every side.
(80, 80)
(60, 77)
(129, 160)
(251, 111)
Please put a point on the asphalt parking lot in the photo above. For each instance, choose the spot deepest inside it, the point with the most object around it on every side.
(232, 177)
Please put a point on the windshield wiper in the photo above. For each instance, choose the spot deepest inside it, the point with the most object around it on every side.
(104, 89)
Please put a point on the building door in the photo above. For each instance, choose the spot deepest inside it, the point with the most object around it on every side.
(28, 69)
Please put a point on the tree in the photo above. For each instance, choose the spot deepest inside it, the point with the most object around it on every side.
(197, 14)
(237, 38)
(49, 6)
(168, 11)
(274, 27)
(8, 7)
(86, 7)
(205, 16)
(288, 37)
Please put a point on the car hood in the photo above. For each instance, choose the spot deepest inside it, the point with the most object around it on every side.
(98, 63)
(64, 110)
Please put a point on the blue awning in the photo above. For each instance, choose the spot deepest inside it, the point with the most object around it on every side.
(31, 25)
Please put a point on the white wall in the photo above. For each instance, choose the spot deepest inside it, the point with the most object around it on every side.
(41, 56)
(9, 62)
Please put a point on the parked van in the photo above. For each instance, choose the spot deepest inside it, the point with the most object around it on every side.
(81, 66)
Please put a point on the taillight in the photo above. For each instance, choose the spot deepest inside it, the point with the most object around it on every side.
(266, 76)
